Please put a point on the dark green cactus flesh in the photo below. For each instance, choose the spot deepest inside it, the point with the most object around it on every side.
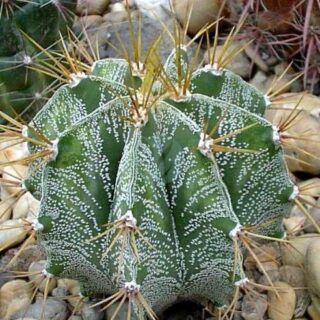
(21, 87)
(150, 199)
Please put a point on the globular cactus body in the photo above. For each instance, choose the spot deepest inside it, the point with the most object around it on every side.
(145, 191)
(22, 26)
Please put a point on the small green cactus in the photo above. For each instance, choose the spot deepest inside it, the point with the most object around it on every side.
(150, 178)
(22, 87)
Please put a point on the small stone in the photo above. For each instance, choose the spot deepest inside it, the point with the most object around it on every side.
(116, 17)
(259, 81)
(204, 13)
(118, 7)
(254, 309)
(88, 22)
(40, 280)
(282, 307)
(14, 174)
(293, 254)
(315, 214)
(267, 256)
(6, 204)
(59, 292)
(296, 278)
(294, 225)
(273, 275)
(313, 187)
(293, 276)
(297, 212)
(314, 308)
(26, 206)
(240, 64)
(72, 286)
(89, 313)
(4, 277)
(304, 153)
(52, 309)
(312, 265)
(91, 7)
(11, 152)
(31, 253)
(15, 295)
(75, 318)
(11, 233)
(252, 54)
(155, 9)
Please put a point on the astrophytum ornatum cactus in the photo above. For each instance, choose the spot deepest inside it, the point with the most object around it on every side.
(25, 27)
(151, 178)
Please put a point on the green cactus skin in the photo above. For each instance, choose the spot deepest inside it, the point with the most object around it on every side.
(20, 87)
(172, 206)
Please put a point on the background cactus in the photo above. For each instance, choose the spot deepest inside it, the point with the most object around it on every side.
(22, 87)
(150, 179)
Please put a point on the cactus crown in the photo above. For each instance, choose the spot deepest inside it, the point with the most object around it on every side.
(150, 176)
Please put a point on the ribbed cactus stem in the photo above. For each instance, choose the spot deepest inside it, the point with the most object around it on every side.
(150, 184)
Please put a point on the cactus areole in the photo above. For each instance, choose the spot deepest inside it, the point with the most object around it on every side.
(149, 183)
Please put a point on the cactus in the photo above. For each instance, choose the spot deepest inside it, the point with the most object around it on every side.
(151, 178)
(22, 87)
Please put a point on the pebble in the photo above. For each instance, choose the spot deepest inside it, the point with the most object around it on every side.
(309, 118)
(14, 152)
(315, 214)
(282, 307)
(293, 253)
(11, 234)
(52, 309)
(267, 255)
(296, 278)
(40, 280)
(72, 286)
(91, 7)
(155, 9)
(5, 205)
(88, 22)
(252, 54)
(15, 295)
(150, 28)
(14, 173)
(75, 318)
(297, 212)
(313, 186)
(294, 225)
(118, 7)
(273, 275)
(59, 292)
(259, 81)
(240, 64)
(314, 308)
(116, 17)
(312, 266)
(31, 253)
(26, 206)
(5, 277)
(89, 313)
(204, 12)
(254, 308)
